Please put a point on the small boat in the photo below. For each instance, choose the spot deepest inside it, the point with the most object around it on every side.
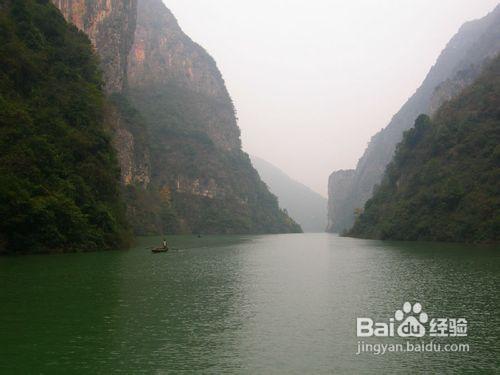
(159, 250)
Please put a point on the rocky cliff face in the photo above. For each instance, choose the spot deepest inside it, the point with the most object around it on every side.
(130, 140)
(163, 58)
(458, 65)
(173, 124)
(162, 53)
(451, 87)
(208, 183)
(110, 25)
(339, 185)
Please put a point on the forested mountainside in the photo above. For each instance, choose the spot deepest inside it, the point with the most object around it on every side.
(444, 181)
(201, 181)
(59, 176)
(304, 205)
(475, 44)
(173, 125)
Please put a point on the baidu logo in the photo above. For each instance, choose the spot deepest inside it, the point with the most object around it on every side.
(411, 321)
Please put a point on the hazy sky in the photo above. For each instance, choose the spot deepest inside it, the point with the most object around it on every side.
(313, 80)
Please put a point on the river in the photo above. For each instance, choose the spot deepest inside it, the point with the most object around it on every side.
(245, 304)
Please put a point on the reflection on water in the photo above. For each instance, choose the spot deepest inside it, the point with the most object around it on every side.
(283, 303)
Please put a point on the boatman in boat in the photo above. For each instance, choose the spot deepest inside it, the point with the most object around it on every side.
(165, 245)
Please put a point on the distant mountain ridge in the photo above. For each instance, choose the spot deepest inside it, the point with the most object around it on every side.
(476, 43)
(304, 205)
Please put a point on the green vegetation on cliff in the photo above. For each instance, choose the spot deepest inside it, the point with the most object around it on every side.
(59, 178)
(443, 182)
(201, 180)
(198, 187)
(457, 67)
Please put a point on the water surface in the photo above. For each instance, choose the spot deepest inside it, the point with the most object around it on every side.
(251, 304)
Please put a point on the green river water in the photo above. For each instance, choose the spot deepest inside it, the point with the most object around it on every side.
(244, 304)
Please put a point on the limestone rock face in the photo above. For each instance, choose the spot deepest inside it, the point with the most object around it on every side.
(198, 187)
(110, 25)
(476, 43)
(163, 57)
(339, 185)
(450, 88)
(132, 148)
(162, 53)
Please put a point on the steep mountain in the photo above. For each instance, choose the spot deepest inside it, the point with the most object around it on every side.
(443, 182)
(205, 183)
(173, 125)
(59, 177)
(110, 25)
(339, 205)
(305, 206)
(475, 44)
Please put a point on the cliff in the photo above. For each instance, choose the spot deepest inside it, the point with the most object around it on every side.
(443, 182)
(165, 60)
(339, 185)
(59, 177)
(173, 125)
(110, 25)
(304, 205)
(458, 65)
(201, 180)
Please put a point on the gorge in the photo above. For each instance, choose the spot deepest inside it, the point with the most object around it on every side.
(119, 132)
(116, 124)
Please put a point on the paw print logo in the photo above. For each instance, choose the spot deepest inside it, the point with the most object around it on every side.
(412, 320)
